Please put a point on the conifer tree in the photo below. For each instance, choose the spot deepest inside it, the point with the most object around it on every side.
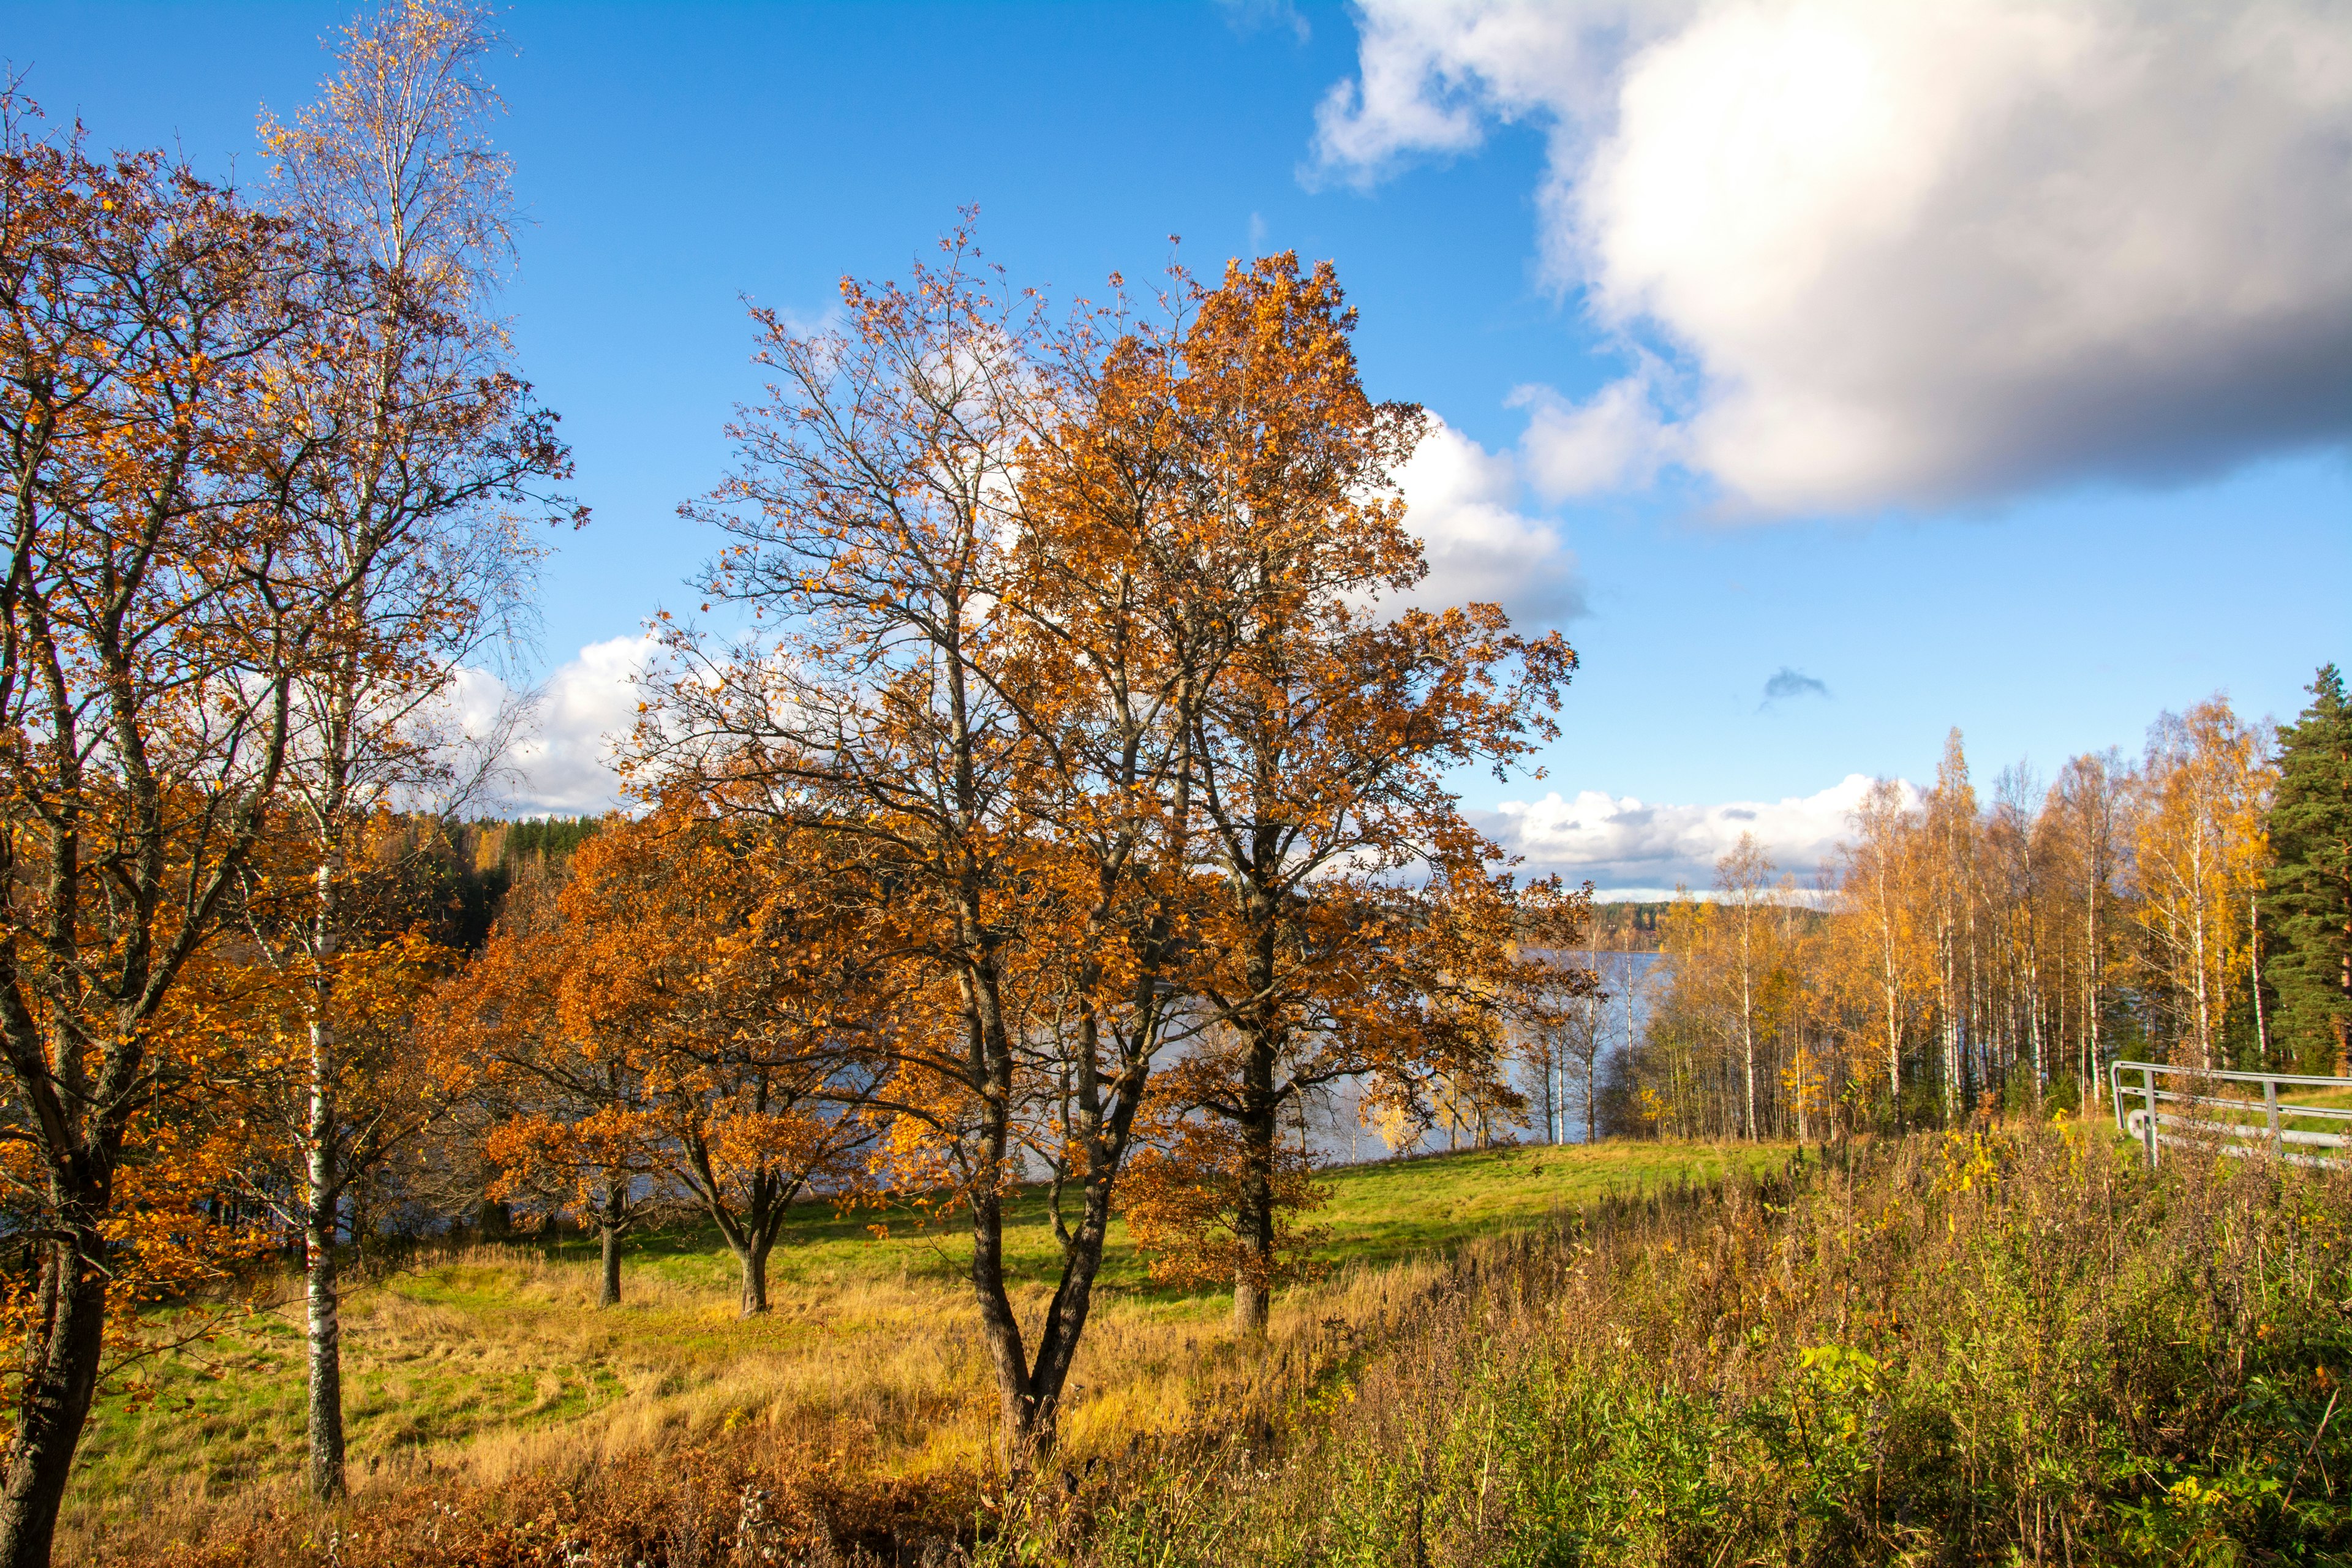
(2308, 906)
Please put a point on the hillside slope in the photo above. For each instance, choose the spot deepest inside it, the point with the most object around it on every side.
(480, 1365)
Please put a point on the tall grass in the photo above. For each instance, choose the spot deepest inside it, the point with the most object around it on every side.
(1997, 1346)
(1985, 1347)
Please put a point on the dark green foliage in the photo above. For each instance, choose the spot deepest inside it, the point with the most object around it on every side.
(2307, 912)
(550, 835)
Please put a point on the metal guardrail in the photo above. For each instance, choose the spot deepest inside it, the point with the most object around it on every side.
(2149, 1122)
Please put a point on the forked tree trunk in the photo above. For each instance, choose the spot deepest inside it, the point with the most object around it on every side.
(62, 1350)
(1029, 1391)
(1019, 1438)
(1030, 1395)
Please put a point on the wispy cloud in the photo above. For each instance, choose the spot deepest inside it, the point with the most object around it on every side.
(1247, 17)
(1628, 846)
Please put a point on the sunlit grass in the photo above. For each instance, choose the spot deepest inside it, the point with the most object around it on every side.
(481, 1363)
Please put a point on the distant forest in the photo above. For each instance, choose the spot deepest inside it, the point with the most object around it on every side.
(1630, 925)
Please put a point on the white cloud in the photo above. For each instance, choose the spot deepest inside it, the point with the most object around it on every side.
(1460, 500)
(564, 756)
(1914, 254)
(1626, 846)
(1614, 440)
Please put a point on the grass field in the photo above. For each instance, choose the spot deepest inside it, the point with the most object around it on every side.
(481, 1363)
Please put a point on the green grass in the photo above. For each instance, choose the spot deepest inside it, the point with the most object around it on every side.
(1383, 1214)
(469, 1352)
(1378, 1214)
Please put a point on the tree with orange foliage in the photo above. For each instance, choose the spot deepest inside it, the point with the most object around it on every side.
(961, 527)
(1322, 744)
(145, 693)
(389, 1080)
(1742, 892)
(2086, 815)
(697, 1019)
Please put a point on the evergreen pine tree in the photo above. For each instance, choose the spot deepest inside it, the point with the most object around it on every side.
(2308, 907)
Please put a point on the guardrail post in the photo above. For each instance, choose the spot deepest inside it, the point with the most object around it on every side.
(2147, 1081)
(2270, 1105)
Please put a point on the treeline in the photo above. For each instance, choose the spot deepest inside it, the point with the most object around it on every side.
(1075, 811)
(1628, 925)
(1967, 952)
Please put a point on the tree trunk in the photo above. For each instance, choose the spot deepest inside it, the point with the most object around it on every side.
(326, 1412)
(2254, 978)
(1747, 1022)
(62, 1352)
(610, 1236)
(754, 1259)
(1017, 1434)
(326, 1402)
(610, 1222)
(1253, 1224)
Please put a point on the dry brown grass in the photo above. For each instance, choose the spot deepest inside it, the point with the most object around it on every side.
(463, 1372)
(486, 1381)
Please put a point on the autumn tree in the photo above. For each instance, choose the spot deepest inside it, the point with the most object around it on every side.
(1323, 745)
(1951, 886)
(1689, 1079)
(1878, 889)
(2086, 816)
(2197, 859)
(390, 1078)
(1565, 1037)
(146, 700)
(2307, 900)
(1743, 888)
(1729, 1030)
(958, 522)
(696, 1020)
(407, 443)
(562, 1115)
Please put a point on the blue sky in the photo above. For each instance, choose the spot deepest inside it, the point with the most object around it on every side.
(1776, 435)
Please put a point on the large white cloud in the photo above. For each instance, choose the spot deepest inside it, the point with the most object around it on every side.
(1909, 254)
(1629, 846)
(1460, 501)
(561, 759)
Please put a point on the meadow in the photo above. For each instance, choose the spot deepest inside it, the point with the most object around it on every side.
(2000, 1344)
(476, 1372)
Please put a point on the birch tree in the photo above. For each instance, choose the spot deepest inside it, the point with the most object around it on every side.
(410, 443)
